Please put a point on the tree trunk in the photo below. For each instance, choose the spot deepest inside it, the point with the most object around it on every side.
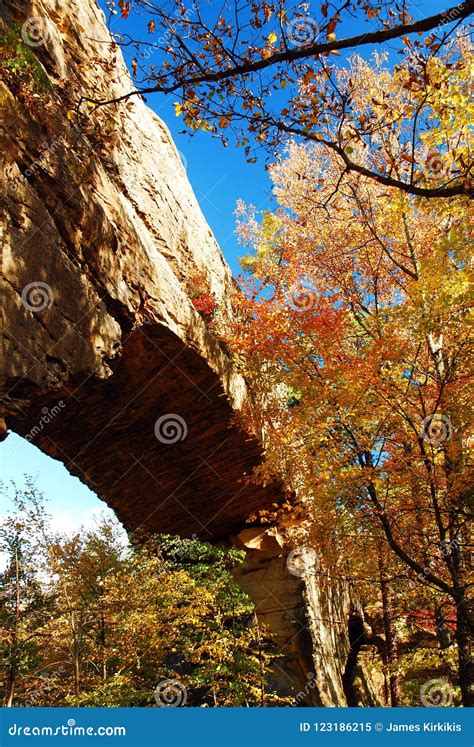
(443, 632)
(390, 639)
(76, 655)
(14, 648)
(464, 640)
(10, 692)
(76, 643)
(103, 647)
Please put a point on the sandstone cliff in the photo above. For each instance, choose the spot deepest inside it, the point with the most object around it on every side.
(101, 240)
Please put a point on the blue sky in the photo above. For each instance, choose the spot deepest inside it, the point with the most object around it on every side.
(219, 177)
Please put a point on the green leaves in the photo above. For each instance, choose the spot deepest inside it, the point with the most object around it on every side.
(122, 619)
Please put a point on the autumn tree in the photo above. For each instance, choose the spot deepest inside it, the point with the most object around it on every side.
(356, 299)
(90, 619)
(266, 70)
(25, 603)
(176, 612)
(80, 568)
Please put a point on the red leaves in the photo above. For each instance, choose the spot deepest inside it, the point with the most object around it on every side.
(125, 7)
(331, 27)
(205, 304)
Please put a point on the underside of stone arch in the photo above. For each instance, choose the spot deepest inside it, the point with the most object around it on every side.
(190, 475)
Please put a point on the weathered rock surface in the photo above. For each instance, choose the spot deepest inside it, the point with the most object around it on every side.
(101, 237)
(307, 617)
(368, 680)
(328, 604)
(115, 241)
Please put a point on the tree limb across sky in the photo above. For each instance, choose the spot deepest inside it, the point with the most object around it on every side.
(268, 71)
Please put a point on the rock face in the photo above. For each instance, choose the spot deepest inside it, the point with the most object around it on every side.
(99, 252)
(107, 364)
(307, 617)
(368, 679)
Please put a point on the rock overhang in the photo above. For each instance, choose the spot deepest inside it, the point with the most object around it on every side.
(98, 251)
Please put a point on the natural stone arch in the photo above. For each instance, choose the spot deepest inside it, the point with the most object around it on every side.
(112, 241)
